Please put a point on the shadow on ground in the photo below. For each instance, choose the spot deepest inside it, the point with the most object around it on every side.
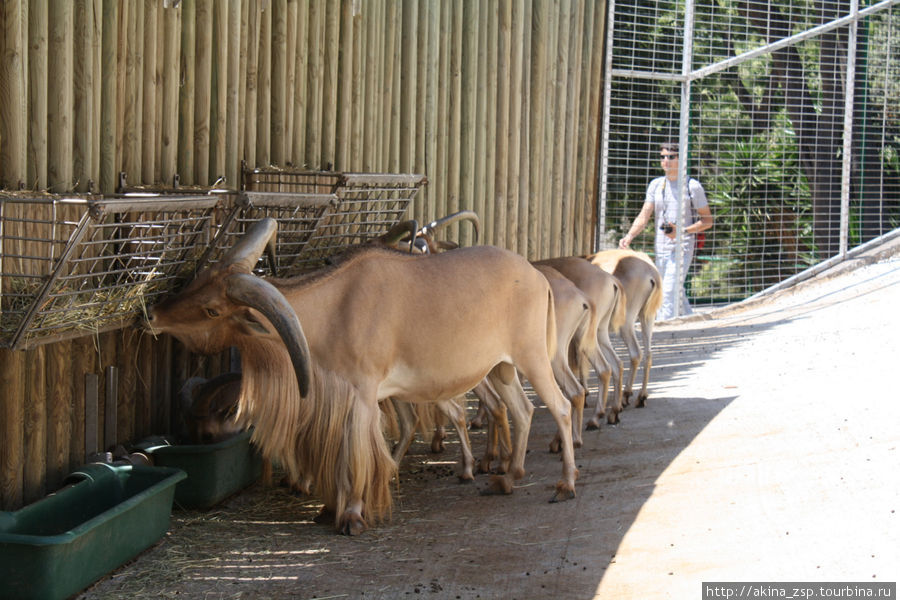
(444, 539)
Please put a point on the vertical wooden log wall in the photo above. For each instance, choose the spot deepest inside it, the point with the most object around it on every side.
(495, 101)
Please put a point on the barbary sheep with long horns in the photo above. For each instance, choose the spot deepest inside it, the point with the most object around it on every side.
(319, 351)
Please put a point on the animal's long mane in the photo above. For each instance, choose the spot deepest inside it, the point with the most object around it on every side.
(331, 438)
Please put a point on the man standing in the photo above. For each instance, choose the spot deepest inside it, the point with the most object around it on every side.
(663, 197)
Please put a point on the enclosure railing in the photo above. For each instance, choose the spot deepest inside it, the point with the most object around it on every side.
(785, 112)
(72, 266)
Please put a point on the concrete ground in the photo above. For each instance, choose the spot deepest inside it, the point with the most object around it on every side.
(768, 451)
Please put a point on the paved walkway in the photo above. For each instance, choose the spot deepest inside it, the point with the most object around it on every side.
(768, 452)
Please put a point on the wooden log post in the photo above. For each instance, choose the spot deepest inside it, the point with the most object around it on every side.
(186, 96)
(203, 91)
(218, 110)
(264, 90)
(38, 81)
(573, 93)
(526, 244)
(515, 233)
(390, 129)
(60, 411)
(13, 117)
(34, 457)
(315, 76)
(301, 90)
(430, 36)
(550, 220)
(249, 111)
(501, 168)
(150, 94)
(371, 96)
(332, 45)
(441, 174)
(491, 114)
(131, 56)
(171, 85)
(467, 124)
(290, 88)
(278, 81)
(408, 86)
(59, 98)
(454, 117)
(85, 109)
(593, 121)
(344, 84)
(12, 429)
(480, 121)
(232, 101)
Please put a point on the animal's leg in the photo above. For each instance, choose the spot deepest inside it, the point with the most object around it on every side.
(647, 335)
(575, 393)
(360, 487)
(604, 373)
(542, 381)
(352, 522)
(501, 439)
(407, 421)
(437, 439)
(615, 365)
(457, 415)
(480, 417)
(498, 436)
(634, 353)
(505, 382)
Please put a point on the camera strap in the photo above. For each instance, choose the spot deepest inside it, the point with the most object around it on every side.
(664, 204)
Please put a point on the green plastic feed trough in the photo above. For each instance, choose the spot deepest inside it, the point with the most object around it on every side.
(105, 516)
(215, 471)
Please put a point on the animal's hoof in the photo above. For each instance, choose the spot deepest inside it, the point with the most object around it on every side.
(564, 492)
(642, 402)
(352, 524)
(437, 446)
(592, 425)
(613, 418)
(626, 398)
(466, 478)
(577, 443)
(499, 485)
(555, 446)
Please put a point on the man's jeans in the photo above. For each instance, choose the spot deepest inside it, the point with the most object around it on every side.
(673, 289)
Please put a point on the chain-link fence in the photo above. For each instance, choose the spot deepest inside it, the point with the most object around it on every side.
(787, 112)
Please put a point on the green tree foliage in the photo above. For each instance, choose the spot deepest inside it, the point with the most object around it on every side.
(766, 135)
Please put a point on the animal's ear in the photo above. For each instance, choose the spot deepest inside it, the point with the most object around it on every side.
(251, 324)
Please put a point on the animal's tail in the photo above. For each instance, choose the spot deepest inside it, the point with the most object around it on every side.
(617, 318)
(551, 323)
(654, 301)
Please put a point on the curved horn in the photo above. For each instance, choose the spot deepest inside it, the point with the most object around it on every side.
(248, 249)
(463, 215)
(252, 291)
(399, 231)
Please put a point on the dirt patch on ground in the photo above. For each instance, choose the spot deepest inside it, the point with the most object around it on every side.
(768, 451)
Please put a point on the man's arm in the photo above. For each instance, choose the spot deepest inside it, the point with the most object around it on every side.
(640, 222)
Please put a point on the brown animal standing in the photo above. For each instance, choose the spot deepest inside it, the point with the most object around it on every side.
(380, 324)
(643, 293)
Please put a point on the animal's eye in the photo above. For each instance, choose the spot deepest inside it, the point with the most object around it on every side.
(212, 313)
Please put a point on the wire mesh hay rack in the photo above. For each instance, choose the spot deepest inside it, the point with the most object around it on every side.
(73, 265)
(321, 213)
